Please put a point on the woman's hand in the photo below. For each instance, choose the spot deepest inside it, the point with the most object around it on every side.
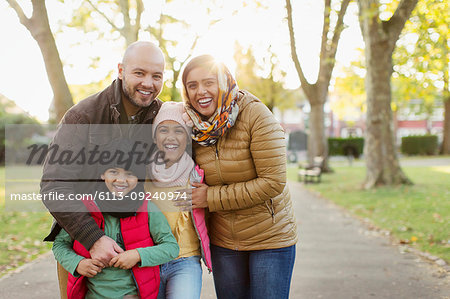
(195, 198)
(199, 196)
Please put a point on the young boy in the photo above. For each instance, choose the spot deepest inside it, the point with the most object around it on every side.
(136, 225)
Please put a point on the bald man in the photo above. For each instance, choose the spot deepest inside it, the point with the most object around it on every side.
(130, 99)
(141, 73)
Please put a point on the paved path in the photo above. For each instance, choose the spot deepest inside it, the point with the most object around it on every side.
(337, 257)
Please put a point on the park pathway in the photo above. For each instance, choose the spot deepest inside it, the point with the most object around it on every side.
(337, 257)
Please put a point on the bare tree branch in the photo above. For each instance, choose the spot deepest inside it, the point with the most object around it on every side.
(298, 67)
(339, 28)
(327, 59)
(125, 9)
(39, 28)
(104, 16)
(191, 51)
(325, 29)
(139, 10)
(194, 44)
(130, 31)
(22, 17)
(369, 15)
(396, 23)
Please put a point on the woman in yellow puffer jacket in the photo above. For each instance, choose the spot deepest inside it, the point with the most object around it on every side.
(241, 147)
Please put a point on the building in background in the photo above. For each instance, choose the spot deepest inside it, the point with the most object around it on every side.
(410, 119)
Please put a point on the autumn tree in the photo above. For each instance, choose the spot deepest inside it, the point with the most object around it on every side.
(38, 26)
(317, 92)
(246, 68)
(380, 37)
(411, 81)
(126, 18)
(264, 79)
(272, 83)
(169, 48)
(349, 91)
(122, 16)
(82, 91)
(10, 113)
(421, 60)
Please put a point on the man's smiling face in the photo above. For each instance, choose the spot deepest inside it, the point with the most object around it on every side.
(142, 76)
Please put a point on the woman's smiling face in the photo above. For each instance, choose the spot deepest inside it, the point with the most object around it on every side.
(171, 138)
(202, 88)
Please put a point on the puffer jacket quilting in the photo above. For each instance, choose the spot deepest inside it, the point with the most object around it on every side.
(246, 171)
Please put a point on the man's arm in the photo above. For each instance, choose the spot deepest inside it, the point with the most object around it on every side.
(60, 178)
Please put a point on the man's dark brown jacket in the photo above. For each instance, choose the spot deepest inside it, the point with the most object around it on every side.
(75, 134)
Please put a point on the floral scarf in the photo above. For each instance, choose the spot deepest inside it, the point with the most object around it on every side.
(207, 133)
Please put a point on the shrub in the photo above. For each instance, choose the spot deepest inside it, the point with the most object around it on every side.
(345, 146)
(420, 145)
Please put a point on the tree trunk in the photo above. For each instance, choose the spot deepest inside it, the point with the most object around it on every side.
(317, 145)
(380, 152)
(129, 30)
(317, 93)
(130, 37)
(174, 90)
(61, 94)
(39, 28)
(446, 140)
(445, 150)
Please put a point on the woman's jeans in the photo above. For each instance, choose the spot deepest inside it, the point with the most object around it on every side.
(181, 278)
(257, 274)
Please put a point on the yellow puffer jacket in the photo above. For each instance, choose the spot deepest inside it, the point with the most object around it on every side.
(246, 171)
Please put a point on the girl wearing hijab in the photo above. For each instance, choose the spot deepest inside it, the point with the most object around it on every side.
(182, 277)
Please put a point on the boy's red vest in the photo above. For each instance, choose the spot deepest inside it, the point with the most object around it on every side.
(135, 234)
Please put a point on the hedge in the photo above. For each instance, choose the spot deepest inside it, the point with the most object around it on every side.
(345, 146)
(420, 145)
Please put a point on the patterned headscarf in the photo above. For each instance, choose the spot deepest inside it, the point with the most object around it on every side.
(207, 132)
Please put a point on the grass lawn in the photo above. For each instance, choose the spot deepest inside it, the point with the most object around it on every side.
(417, 214)
(21, 234)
